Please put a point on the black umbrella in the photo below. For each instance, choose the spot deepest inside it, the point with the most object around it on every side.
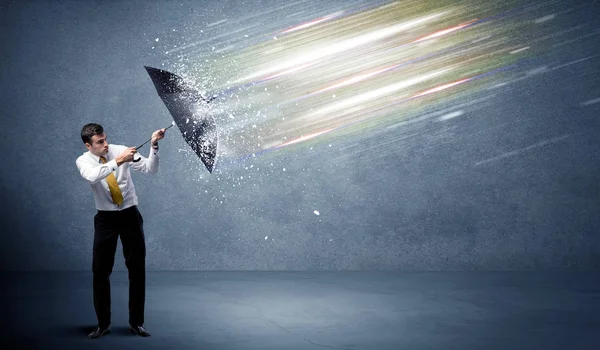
(184, 103)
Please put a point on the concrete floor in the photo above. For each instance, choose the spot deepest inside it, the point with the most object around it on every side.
(311, 310)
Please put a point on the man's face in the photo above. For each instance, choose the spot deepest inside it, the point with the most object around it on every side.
(99, 145)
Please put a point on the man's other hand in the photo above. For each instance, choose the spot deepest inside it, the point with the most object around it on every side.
(126, 156)
(158, 135)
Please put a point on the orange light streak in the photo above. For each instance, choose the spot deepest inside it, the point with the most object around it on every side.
(443, 32)
(440, 88)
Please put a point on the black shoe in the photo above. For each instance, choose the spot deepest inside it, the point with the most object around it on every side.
(139, 330)
(98, 332)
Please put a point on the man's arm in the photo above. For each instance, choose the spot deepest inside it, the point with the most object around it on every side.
(147, 165)
(94, 173)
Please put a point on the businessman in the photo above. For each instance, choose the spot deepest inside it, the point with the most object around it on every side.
(107, 169)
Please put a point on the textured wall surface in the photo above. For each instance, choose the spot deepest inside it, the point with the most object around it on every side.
(509, 183)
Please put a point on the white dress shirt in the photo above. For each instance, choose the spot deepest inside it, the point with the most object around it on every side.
(95, 172)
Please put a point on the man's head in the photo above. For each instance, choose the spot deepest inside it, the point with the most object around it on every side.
(94, 138)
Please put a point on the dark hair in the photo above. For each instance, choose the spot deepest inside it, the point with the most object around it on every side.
(90, 130)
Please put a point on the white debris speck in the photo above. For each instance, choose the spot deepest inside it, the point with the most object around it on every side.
(246, 35)
(187, 120)
(545, 18)
(156, 40)
(519, 50)
(283, 169)
(152, 47)
(591, 102)
(451, 115)
(537, 70)
(274, 38)
(333, 96)
(496, 86)
(266, 237)
(316, 212)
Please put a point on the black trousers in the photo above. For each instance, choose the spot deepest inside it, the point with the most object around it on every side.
(108, 226)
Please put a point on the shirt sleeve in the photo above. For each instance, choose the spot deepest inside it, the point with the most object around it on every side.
(95, 172)
(147, 165)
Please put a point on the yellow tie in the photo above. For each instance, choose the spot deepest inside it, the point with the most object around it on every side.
(113, 186)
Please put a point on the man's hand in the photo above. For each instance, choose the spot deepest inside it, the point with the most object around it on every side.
(158, 135)
(126, 156)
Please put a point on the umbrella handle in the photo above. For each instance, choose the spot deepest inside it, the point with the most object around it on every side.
(136, 160)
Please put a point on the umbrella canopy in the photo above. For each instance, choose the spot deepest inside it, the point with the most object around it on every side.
(184, 103)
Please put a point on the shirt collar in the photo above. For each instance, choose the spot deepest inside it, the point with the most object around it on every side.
(97, 158)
